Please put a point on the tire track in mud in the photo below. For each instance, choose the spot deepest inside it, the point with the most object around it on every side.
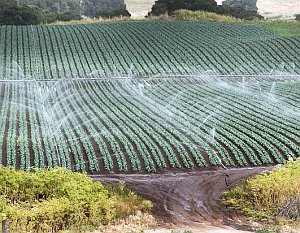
(189, 198)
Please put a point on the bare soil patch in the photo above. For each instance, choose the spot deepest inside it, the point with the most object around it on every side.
(190, 198)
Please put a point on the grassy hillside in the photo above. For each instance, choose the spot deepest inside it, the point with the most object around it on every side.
(283, 27)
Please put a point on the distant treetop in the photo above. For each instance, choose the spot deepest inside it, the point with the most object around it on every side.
(88, 8)
(170, 6)
(246, 4)
(241, 9)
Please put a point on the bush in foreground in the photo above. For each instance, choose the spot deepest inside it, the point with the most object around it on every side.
(53, 200)
(269, 195)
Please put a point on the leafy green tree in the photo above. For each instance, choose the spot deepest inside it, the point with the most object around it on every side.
(298, 17)
(13, 14)
(26, 12)
(241, 9)
(45, 16)
(161, 7)
(112, 14)
(245, 4)
(56, 6)
(170, 6)
(68, 16)
(78, 7)
(92, 8)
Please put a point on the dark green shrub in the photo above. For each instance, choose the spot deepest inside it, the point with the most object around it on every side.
(239, 12)
(170, 6)
(116, 13)
(68, 16)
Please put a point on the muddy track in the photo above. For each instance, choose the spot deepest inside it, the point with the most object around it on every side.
(188, 198)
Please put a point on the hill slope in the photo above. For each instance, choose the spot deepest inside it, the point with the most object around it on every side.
(144, 48)
(74, 96)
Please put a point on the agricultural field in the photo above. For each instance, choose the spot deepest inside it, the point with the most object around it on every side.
(149, 125)
(144, 49)
(148, 96)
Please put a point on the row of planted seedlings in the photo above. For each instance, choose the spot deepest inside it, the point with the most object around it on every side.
(154, 115)
(144, 49)
(236, 131)
(261, 121)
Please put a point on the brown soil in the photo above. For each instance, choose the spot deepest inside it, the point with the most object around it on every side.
(190, 198)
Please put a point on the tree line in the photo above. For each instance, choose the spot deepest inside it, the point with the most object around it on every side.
(29, 12)
(243, 9)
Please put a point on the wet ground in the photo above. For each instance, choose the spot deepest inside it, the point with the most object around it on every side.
(189, 198)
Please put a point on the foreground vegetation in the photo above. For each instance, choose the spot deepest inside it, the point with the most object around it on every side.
(53, 200)
(272, 196)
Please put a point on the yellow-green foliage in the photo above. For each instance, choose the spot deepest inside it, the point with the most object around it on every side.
(53, 200)
(283, 27)
(91, 21)
(204, 16)
(263, 195)
(126, 201)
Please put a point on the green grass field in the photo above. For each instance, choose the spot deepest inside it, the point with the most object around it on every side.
(283, 27)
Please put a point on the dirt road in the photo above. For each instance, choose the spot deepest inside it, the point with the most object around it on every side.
(190, 198)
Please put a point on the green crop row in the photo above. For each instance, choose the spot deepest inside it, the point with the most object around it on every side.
(144, 49)
(131, 125)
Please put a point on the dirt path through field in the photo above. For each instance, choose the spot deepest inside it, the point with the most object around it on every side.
(190, 198)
